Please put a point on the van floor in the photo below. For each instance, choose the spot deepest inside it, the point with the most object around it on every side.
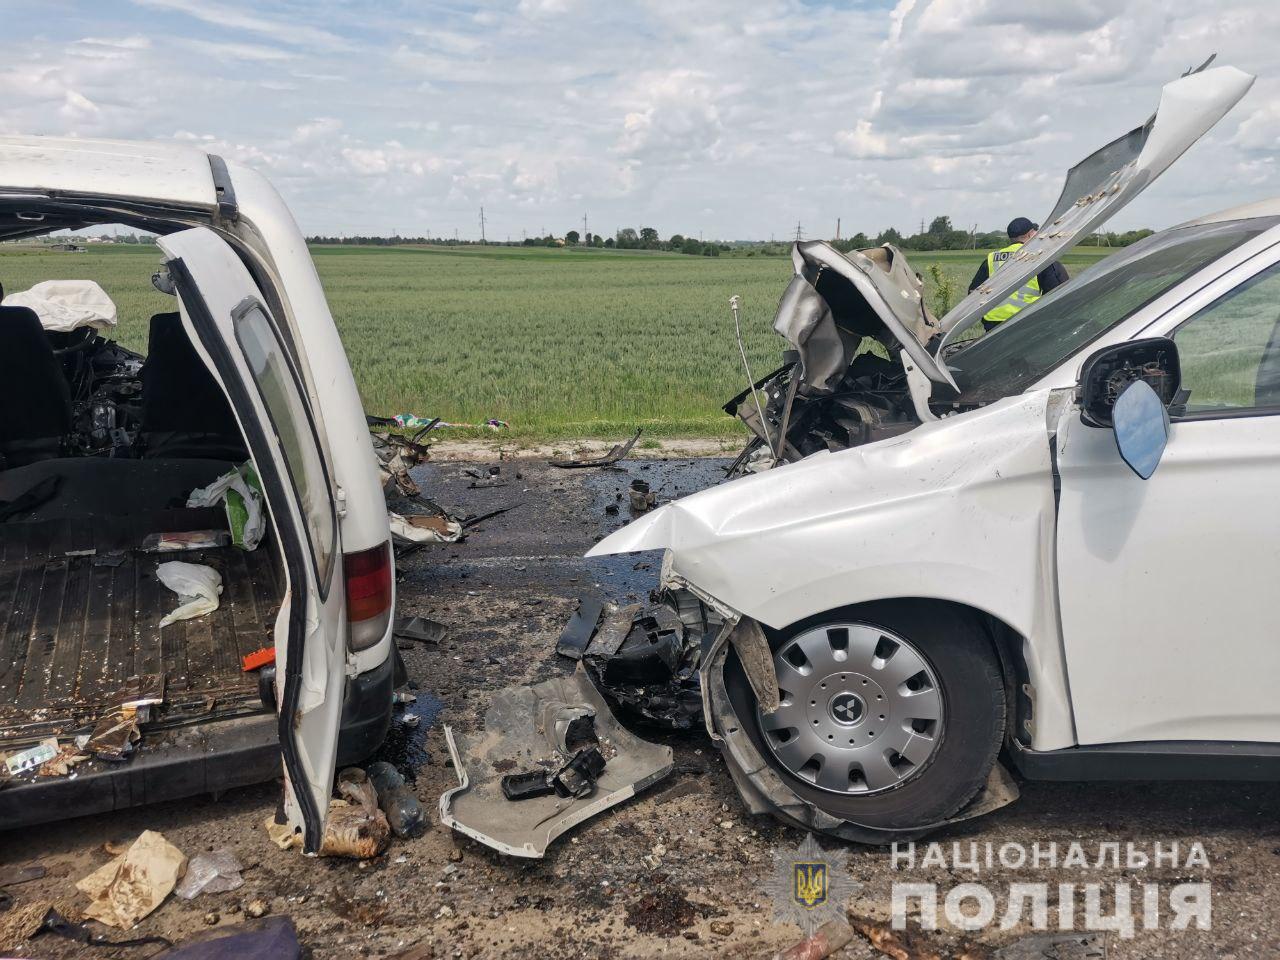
(80, 607)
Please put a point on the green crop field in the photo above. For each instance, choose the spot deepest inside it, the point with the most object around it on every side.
(559, 343)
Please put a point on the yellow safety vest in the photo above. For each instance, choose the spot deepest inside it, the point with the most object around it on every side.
(1024, 296)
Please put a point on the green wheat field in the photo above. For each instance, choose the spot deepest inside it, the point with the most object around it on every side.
(559, 343)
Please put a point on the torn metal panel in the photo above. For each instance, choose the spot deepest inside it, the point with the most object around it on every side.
(752, 648)
(526, 727)
(1101, 184)
(618, 452)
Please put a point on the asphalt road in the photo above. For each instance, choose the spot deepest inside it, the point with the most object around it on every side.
(679, 871)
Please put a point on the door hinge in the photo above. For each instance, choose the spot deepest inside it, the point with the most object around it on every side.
(340, 501)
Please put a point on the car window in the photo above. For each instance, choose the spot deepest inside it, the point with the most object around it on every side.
(1228, 350)
(278, 385)
(1062, 323)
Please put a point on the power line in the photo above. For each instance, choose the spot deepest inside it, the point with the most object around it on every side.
(482, 240)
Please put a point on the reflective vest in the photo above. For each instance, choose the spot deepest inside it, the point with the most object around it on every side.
(1024, 296)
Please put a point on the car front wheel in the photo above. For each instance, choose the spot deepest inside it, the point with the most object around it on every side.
(891, 712)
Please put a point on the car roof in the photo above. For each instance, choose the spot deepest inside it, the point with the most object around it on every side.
(1245, 211)
(164, 172)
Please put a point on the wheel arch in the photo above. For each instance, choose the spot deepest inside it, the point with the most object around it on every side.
(1009, 644)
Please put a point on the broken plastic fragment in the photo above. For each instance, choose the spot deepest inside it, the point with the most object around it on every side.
(216, 872)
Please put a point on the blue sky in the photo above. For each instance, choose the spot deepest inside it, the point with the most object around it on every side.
(729, 118)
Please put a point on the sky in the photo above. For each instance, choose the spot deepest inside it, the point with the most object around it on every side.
(729, 119)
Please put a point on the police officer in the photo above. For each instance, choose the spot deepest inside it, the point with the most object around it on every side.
(1020, 230)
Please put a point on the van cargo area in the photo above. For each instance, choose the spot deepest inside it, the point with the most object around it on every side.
(93, 499)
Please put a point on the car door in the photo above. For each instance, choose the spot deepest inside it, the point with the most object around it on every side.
(226, 317)
(1168, 586)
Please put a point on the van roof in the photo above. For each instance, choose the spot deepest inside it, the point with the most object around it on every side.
(164, 172)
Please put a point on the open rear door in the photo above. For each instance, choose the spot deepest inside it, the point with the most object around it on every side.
(227, 319)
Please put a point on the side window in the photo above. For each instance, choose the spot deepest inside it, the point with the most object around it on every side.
(291, 423)
(1230, 351)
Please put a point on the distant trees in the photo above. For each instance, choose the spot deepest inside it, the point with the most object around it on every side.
(628, 239)
(649, 238)
(571, 238)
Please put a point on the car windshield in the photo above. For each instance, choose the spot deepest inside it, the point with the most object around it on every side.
(1039, 338)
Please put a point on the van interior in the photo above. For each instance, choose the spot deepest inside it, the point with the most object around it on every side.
(100, 448)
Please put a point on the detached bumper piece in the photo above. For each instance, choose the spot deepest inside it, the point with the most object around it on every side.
(549, 757)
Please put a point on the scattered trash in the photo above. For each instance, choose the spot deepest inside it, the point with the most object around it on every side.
(470, 522)
(12, 876)
(256, 908)
(69, 754)
(354, 826)
(197, 585)
(642, 498)
(425, 528)
(216, 872)
(618, 452)
(32, 757)
(259, 658)
(396, 799)
(33, 919)
(581, 627)
(184, 540)
(240, 492)
(543, 723)
(491, 482)
(421, 629)
(274, 938)
(827, 939)
(1056, 946)
(133, 884)
(115, 735)
(906, 945)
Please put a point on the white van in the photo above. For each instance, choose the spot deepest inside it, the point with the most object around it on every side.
(1068, 553)
(99, 449)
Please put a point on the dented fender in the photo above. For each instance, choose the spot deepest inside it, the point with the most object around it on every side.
(961, 509)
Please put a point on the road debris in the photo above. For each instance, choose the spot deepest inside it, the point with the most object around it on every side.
(642, 498)
(215, 872)
(906, 945)
(197, 585)
(541, 725)
(1056, 946)
(354, 826)
(275, 938)
(425, 528)
(134, 883)
(581, 627)
(827, 939)
(396, 800)
(31, 758)
(12, 876)
(618, 452)
(420, 629)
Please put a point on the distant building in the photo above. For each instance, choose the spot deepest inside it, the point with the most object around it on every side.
(68, 248)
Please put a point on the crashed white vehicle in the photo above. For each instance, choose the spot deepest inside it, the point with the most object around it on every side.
(101, 450)
(1065, 552)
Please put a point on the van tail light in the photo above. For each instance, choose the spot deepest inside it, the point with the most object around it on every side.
(369, 593)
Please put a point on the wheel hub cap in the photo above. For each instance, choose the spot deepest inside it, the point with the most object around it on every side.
(861, 710)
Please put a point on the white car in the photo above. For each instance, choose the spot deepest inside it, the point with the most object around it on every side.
(99, 452)
(1067, 553)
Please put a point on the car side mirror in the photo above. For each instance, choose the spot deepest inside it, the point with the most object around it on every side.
(1129, 387)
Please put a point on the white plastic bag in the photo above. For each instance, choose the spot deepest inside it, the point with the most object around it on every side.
(194, 583)
(65, 305)
(216, 872)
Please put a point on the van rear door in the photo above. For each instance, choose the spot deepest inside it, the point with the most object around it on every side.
(226, 317)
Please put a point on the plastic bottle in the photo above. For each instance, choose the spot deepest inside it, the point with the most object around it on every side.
(397, 801)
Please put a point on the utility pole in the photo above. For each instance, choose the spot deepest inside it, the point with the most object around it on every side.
(482, 240)
(799, 232)
(973, 236)
(585, 232)
(837, 229)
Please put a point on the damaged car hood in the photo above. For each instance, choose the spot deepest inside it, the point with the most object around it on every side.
(1101, 184)
(834, 301)
(963, 503)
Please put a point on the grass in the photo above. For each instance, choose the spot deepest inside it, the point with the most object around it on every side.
(559, 343)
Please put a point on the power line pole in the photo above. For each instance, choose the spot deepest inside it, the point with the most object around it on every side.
(482, 240)
(585, 232)
(837, 229)
(799, 232)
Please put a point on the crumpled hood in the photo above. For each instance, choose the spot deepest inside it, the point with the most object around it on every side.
(837, 528)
